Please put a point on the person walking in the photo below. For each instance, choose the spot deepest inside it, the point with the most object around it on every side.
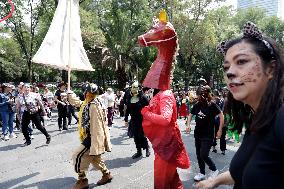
(31, 103)
(136, 102)
(7, 111)
(61, 106)
(94, 136)
(205, 111)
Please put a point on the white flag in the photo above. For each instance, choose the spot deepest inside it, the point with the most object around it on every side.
(62, 45)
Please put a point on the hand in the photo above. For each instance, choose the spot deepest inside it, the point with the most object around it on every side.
(219, 134)
(205, 184)
(187, 129)
(126, 124)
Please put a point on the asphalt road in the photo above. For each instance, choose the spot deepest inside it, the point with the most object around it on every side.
(50, 166)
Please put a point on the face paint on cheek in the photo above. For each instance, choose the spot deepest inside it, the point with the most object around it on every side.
(249, 77)
(257, 68)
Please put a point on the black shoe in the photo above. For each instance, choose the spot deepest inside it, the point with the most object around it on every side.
(223, 152)
(26, 143)
(148, 152)
(137, 155)
(48, 139)
(214, 150)
(65, 128)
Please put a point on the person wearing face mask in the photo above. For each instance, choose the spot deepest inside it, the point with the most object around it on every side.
(205, 111)
(254, 73)
(94, 136)
(136, 102)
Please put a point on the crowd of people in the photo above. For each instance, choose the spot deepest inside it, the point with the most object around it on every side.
(253, 67)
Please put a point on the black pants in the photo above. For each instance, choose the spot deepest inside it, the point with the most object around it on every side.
(121, 110)
(139, 138)
(203, 146)
(62, 116)
(71, 112)
(35, 118)
(222, 139)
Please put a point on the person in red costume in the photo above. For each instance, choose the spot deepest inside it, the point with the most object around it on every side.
(160, 116)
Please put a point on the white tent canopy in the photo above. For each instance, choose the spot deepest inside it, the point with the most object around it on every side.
(62, 46)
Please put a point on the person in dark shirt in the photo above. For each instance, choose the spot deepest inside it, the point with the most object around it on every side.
(135, 104)
(61, 107)
(254, 66)
(205, 111)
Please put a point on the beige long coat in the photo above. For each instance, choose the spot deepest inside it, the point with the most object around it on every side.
(100, 138)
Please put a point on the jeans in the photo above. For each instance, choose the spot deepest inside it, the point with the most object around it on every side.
(7, 120)
(203, 146)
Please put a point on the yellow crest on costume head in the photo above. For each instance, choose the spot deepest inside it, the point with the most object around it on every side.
(163, 16)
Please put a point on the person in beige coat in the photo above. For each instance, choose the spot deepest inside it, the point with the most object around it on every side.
(94, 135)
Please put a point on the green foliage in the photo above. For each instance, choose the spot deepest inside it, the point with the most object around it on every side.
(110, 29)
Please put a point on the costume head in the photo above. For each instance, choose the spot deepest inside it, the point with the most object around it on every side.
(135, 88)
(164, 37)
(90, 91)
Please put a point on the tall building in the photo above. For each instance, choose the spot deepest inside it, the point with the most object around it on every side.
(271, 7)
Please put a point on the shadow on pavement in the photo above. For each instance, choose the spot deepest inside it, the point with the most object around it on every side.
(120, 139)
(16, 181)
(57, 183)
(10, 147)
(121, 162)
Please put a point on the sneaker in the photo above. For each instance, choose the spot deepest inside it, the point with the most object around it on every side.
(32, 136)
(148, 152)
(12, 135)
(26, 143)
(48, 139)
(199, 177)
(213, 174)
(6, 137)
(106, 178)
(214, 150)
(80, 184)
(137, 155)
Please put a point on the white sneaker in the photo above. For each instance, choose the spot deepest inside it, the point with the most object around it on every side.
(12, 135)
(32, 136)
(213, 174)
(199, 177)
(6, 137)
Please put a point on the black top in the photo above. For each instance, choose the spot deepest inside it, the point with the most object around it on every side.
(259, 162)
(58, 94)
(205, 118)
(134, 109)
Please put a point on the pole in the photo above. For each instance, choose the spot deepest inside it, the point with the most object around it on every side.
(69, 55)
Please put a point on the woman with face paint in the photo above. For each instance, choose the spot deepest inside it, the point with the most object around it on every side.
(253, 69)
(135, 104)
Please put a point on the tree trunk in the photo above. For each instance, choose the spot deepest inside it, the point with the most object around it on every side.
(121, 77)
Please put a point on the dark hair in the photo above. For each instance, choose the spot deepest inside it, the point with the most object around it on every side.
(272, 98)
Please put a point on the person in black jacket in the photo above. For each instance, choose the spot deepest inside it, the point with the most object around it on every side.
(136, 102)
(254, 73)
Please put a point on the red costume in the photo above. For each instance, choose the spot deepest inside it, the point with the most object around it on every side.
(159, 118)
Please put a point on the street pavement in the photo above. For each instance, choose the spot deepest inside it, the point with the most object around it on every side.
(41, 166)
